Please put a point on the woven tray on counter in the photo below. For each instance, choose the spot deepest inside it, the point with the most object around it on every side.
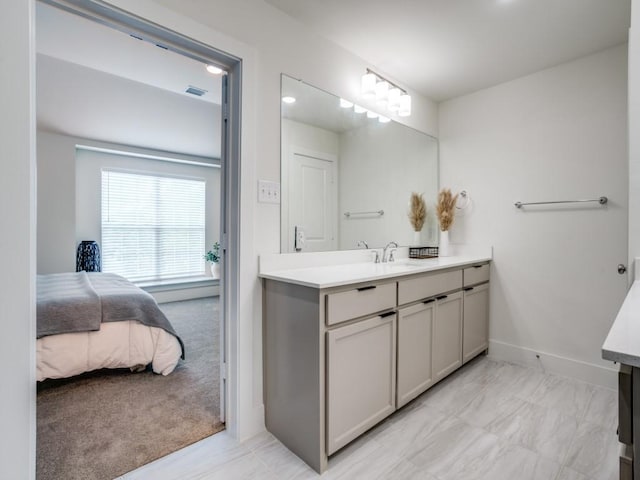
(423, 252)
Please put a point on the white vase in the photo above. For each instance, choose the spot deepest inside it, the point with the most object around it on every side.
(444, 249)
(215, 270)
(417, 239)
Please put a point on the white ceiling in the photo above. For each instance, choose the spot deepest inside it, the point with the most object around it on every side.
(84, 42)
(102, 84)
(447, 48)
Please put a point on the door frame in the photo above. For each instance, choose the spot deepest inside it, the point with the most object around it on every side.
(230, 185)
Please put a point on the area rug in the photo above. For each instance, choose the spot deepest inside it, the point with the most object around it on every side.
(103, 424)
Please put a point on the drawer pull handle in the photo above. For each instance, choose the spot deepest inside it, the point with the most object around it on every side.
(431, 300)
(442, 297)
(478, 266)
(388, 314)
(468, 289)
(369, 287)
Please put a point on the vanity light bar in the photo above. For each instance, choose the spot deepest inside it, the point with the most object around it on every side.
(386, 93)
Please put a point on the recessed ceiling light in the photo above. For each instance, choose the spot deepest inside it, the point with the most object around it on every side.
(288, 99)
(214, 70)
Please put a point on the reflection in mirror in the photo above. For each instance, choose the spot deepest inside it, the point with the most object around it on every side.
(348, 178)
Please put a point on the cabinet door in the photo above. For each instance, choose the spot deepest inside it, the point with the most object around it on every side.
(361, 378)
(475, 330)
(447, 335)
(415, 326)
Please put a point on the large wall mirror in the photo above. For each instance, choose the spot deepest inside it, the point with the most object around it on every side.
(348, 178)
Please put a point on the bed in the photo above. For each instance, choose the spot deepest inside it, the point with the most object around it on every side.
(88, 321)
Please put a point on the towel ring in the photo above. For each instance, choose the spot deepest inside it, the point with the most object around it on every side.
(466, 198)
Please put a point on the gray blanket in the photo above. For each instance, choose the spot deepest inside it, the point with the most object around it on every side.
(80, 302)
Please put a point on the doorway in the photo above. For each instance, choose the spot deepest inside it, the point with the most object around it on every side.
(156, 37)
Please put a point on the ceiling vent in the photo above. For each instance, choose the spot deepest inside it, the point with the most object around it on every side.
(198, 92)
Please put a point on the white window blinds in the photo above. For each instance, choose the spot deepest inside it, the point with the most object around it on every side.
(153, 227)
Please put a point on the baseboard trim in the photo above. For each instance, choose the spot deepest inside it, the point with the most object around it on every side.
(547, 362)
(178, 295)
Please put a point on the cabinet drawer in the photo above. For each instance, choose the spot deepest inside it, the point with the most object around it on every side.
(361, 301)
(428, 285)
(476, 274)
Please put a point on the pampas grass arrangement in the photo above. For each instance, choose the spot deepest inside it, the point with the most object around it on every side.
(445, 208)
(417, 211)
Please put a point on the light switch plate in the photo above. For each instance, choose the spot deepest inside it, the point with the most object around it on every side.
(268, 192)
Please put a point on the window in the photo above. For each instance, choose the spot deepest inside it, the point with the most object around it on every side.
(153, 227)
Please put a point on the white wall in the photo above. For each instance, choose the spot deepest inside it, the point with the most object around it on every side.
(634, 138)
(17, 241)
(56, 237)
(557, 134)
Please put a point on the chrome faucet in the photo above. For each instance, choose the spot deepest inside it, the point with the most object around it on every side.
(362, 243)
(390, 258)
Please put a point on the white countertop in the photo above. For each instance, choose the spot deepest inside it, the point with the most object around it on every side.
(623, 342)
(345, 274)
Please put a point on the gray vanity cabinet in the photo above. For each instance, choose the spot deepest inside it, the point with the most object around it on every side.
(476, 311)
(338, 360)
(415, 327)
(361, 378)
(476, 321)
(447, 335)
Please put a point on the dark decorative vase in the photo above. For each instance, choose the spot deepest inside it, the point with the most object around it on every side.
(88, 257)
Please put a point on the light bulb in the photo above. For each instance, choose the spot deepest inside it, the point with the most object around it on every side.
(359, 109)
(394, 99)
(382, 119)
(382, 93)
(371, 114)
(368, 87)
(213, 69)
(289, 99)
(405, 105)
(345, 103)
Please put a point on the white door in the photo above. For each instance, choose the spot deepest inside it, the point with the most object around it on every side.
(312, 203)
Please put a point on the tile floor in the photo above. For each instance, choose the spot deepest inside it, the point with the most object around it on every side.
(490, 420)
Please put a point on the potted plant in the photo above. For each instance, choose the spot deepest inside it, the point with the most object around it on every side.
(445, 210)
(417, 215)
(213, 257)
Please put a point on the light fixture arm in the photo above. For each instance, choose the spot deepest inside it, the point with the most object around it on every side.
(380, 77)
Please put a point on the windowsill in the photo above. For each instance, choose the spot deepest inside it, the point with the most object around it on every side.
(178, 283)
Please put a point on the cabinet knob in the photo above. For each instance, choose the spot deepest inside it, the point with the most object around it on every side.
(622, 269)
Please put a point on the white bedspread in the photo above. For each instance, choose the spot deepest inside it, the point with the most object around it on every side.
(127, 344)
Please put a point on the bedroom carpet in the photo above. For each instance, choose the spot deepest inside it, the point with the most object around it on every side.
(100, 425)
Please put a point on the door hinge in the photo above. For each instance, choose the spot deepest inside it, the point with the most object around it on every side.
(225, 111)
(223, 370)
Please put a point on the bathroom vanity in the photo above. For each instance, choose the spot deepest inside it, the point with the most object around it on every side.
(622, 346)
(347, 345)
